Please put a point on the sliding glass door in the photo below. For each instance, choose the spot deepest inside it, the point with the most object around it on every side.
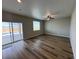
(11, 32)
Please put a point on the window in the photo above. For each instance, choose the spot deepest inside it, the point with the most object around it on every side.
(36, 25)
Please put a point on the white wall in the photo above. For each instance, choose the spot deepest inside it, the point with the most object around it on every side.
(73, 33)
(59, 27)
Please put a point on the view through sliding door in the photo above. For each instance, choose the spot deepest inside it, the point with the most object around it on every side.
(6, 33)
(11, 32)
(17, 31)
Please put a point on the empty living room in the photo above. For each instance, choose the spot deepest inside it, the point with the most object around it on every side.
(38, 29)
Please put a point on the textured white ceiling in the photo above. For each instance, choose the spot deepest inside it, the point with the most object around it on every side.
(38, 8)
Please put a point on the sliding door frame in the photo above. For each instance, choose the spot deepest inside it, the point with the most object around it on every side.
(12, 33)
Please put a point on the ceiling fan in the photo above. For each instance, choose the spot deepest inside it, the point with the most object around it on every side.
(49, 16)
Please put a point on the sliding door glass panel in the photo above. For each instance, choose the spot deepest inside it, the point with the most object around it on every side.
(11, 32)
(6, 33)
(17, 30)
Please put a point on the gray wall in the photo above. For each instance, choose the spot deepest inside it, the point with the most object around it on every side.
(27, 23)
(58, 27)
(73, 33)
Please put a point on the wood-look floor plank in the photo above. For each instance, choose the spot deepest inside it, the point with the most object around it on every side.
(41, 47)
(54, 52)
(60, 45)
(57, 48)
(42, 51)
(35, 52)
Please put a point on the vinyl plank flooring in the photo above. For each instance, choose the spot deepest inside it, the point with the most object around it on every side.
(41, 47)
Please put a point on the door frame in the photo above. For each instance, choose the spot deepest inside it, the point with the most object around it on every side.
(11, 32)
